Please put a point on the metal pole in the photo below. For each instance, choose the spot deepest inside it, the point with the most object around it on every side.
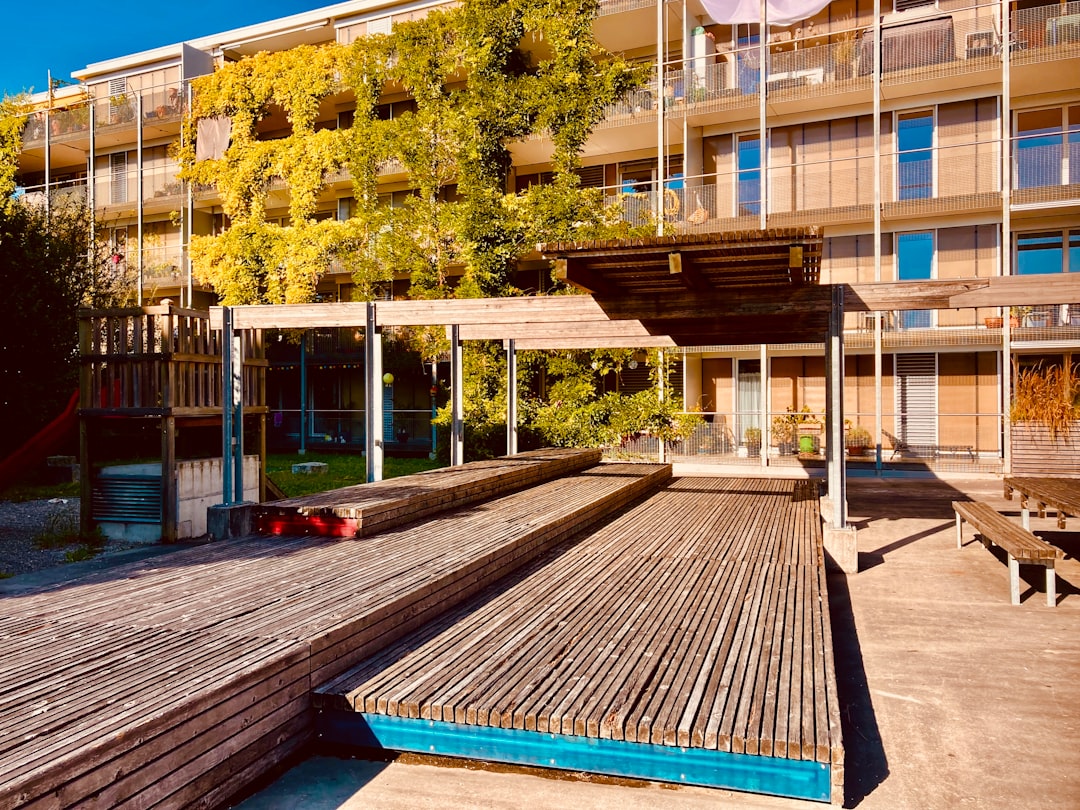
(661, 122)
(238, 413)
(1005, 123)
(511, 399)
(303, 392)
(661, 385)
(373, 409)
(226, 405)
(879, 365)
(434, 407)
(765, 407)
(834, 413)
(457, 399)
(186, 236)
(763, 156)
(139, 189)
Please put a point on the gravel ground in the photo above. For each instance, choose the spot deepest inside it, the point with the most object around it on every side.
(22, 521)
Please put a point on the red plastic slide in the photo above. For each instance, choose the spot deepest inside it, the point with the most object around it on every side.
(41, 445)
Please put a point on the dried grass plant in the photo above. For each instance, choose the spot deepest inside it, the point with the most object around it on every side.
(1048, 396)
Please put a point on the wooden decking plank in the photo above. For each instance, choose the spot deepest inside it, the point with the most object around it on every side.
(117, 778)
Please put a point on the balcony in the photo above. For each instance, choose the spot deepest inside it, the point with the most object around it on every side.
(119, 189)
(800, 73)
(162, 269)
(1046, 169)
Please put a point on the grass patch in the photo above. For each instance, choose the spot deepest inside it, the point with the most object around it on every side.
(6, 575)
(62, 529)
(39, 492)
(343, 470)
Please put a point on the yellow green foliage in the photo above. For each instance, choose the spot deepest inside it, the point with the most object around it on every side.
(475, 89)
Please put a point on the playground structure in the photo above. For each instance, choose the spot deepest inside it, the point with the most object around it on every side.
(150, 419)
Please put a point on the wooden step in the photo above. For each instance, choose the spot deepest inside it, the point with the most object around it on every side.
(364, 509)
(180, 679)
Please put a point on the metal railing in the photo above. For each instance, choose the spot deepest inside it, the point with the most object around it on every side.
(798, 440)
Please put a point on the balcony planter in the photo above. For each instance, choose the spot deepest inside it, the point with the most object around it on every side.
(1035, 450)
(998, 322)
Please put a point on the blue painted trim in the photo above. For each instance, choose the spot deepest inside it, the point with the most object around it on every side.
(689, 766)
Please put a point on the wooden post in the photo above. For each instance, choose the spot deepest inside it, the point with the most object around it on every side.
(169, 505)
(86, 400)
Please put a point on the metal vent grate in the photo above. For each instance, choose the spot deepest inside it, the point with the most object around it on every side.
(127, 499)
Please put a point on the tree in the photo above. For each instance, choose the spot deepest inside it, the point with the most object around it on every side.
(47, 271)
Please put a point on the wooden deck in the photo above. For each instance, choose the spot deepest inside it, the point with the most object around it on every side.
(177, 681)
(689, 639)
(365, 509)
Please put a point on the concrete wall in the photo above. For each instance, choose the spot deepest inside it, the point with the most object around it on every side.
(198, 486)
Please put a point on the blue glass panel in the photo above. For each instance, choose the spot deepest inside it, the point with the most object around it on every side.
(1038, 161)
(915, 141)
(1039, 253)
(749, 184)
(915, 261)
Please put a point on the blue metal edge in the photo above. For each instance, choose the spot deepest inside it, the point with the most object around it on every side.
(775, 776)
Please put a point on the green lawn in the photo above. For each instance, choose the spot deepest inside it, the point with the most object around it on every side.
(344, 471)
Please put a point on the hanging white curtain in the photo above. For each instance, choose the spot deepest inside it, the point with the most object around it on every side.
(778, 12)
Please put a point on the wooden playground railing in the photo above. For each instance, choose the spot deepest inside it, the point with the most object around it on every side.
(158, 360)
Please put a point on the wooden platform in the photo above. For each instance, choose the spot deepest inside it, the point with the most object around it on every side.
(687, 640)
(177, 681)
(365, 509)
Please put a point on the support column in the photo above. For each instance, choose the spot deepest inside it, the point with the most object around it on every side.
(229, 398)
(373, 405)
(139, 190)
(457, 399)
(766, 407)
(511, 399)
(834, 412)
(238, 414)
(841, 547)
(660, 392)
(303, 392)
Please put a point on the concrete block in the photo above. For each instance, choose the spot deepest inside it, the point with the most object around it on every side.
(310, 468)
(841, 548)
(224, 521)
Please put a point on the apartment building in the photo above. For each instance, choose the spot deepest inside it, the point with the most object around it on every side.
(928, 138)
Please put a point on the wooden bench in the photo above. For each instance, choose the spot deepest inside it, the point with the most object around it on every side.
(1018, 543)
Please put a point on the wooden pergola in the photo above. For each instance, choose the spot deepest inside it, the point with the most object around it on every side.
(741, 287)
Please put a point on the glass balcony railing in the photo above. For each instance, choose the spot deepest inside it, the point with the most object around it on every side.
(162, 268)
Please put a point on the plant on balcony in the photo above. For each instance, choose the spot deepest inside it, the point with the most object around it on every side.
(752, 439)
(1047, 396)
(857, 440)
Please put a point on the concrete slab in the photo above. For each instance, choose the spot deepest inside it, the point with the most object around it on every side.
(952, 697)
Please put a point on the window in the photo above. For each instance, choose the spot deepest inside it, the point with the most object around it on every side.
(1045, 252)
(915, 155)
(1047, 150)
(748, 188)
(915, 261)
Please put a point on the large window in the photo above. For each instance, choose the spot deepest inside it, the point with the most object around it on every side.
(748, 155)
(915, 262)
(1047, 252)
(915, 155)
(1047, 151)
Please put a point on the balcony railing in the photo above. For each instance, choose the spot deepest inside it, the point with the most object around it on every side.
(58, 194)
(162, 268)
(962, 39)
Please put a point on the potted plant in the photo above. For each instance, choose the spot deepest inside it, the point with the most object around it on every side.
(752, 435)
(858, 439)
(783, 431)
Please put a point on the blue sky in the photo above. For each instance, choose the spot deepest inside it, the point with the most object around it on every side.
(67, 35)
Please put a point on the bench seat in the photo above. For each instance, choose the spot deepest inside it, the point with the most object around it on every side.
(1018, 543)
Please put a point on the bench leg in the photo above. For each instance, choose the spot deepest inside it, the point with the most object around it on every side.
(959, 533)
(1014, 580)
(1051, 587)
(1025, 513)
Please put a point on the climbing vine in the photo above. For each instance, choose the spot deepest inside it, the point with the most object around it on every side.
(12, 122)
(477, 77)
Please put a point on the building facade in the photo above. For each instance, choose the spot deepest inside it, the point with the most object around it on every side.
(929, 139)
